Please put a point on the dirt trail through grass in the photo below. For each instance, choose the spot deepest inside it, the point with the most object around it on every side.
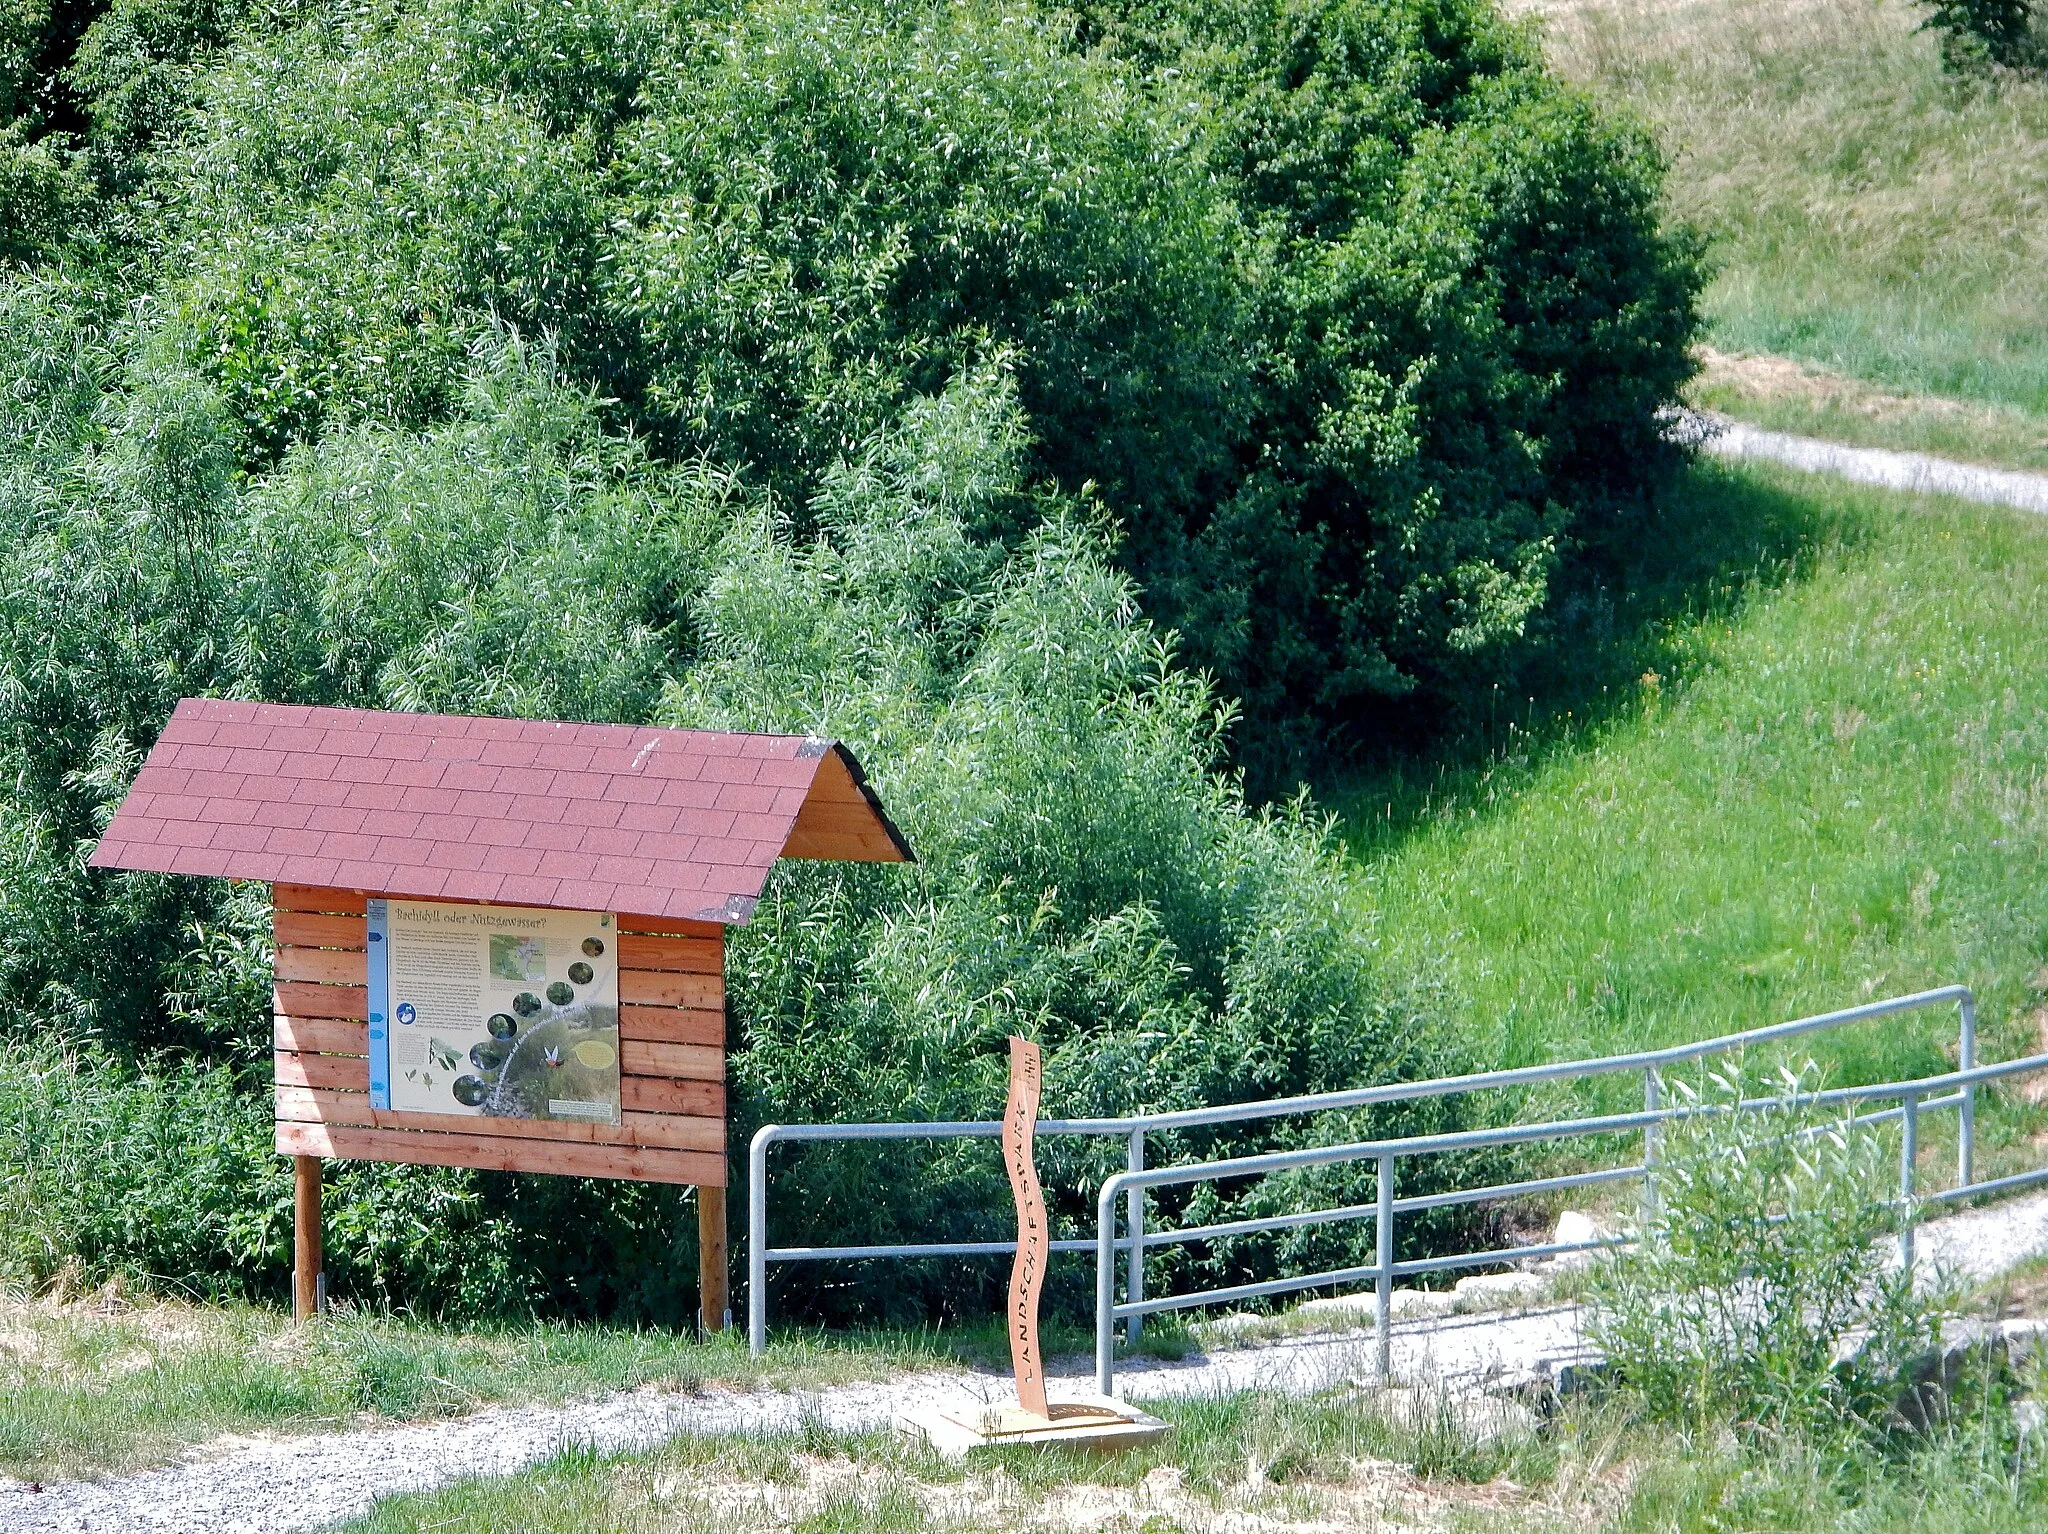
(1920, 473)
(1781, 394)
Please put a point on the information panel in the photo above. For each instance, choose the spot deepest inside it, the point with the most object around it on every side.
(494, 1011)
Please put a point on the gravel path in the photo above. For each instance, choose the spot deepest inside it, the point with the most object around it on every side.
(269, 1485)
(1980, 1244)
(1724, 438)
(266, 1485)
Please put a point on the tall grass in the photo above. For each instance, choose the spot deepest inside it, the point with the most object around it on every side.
(1833, 789)
(1869, 212)
(1761, 1293)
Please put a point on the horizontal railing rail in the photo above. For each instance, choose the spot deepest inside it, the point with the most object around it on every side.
(1134, 1183)
(1913, 1096)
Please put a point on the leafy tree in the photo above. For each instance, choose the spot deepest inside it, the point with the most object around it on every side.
(37, 38)
(1354, 318)
(1975, 33)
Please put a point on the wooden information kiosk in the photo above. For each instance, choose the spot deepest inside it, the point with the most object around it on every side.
(500, 942)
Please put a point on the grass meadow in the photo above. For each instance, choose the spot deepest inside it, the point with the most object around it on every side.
(1827, 783)
(1869, 214)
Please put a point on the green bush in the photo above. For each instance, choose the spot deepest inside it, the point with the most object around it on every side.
(1464, 317)
(1356, 319)
(347, 208)
(1085, 876)
(156, 1177)
(1762, 1291)
(135, 68)
(516, 560)
(165, 1176)
(1975, 33)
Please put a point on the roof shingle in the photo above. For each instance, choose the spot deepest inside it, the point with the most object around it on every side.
(682, 824)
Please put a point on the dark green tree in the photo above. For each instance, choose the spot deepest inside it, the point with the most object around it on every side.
(1975, 33)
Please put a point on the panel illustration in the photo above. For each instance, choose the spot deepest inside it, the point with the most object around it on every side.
(494, 1011)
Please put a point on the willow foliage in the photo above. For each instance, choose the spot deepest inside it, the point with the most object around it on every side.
(1011, 392)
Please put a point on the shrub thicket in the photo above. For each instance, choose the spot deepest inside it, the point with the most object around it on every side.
(1086, 876)
(889, 371)
(1355, 318)
(1976, 33)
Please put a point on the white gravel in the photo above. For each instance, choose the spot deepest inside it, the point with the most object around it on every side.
(269, 1485)
(1980, 1244)
(1918, 472)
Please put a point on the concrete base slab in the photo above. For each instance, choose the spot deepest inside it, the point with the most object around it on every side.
(1095, 1423)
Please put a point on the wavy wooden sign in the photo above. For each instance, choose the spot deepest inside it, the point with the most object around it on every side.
(1027, 1274)
(1097, 1423)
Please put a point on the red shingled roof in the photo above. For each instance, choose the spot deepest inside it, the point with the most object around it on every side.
(595, 817)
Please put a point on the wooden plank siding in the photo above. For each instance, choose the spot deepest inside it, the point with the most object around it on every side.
(838, 821)
(671, 1058)
(674, 1025)
(493, 1153)
(314, 1105)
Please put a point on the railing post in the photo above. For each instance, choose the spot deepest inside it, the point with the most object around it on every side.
(1653, 1099)
(1383, 1281)
(1134, 1328)
(1966, 1137)
(757, 1240)
(1909, 1151)
(1105, 1289)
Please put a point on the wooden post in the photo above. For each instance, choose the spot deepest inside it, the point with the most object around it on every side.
(715, 1297)
(305, 1237)
(1027, 1272)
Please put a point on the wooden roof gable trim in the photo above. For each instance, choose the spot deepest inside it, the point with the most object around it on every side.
(672, 824)
(841, 820)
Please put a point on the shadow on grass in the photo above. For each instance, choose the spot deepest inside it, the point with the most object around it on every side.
(1619, 629)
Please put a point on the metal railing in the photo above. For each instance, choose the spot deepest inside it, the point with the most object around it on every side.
(1954, 1089)
(1133, 1184)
